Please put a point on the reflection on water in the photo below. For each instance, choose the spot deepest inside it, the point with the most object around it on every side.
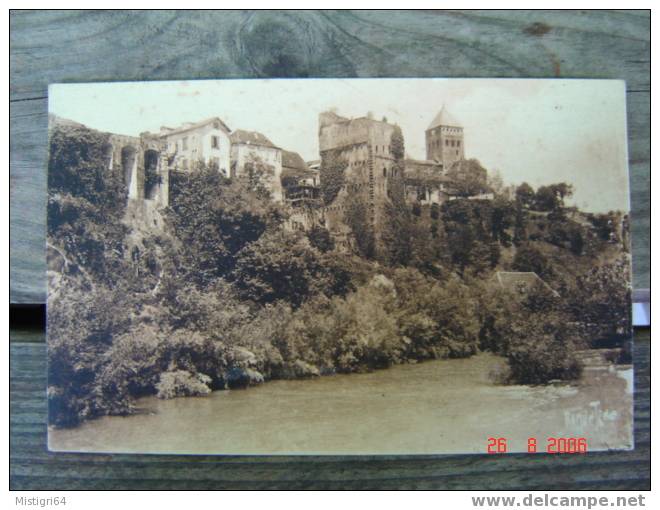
(443, 406)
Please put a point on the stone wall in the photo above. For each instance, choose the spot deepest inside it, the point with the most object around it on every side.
(445, 144)
(365, 145)
(143, 164)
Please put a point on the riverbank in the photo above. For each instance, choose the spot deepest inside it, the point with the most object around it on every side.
(439, 406)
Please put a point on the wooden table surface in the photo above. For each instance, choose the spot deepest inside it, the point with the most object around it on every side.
(72, 46)
(88, 46)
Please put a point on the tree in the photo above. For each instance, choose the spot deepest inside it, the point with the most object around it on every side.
(531, 333)
(259, 177)
(83, 324)
(551, 198)
(281, 265)
(78, 166)
(86, 203)
(357, 217)
(602, 300)
(468, 225)
(607, 226)
(520, 225)
(214, 218)
(562, 190)
(502, 219)
(468, 178)
(531, 259)
(525, 195)
(546, 199)
(320, 238)
(400, 234)
(495, 182)
(397, 144)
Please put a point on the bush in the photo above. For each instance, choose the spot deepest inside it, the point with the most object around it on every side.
(529, 258)
(180, 383)
(438, 321)
(541, 359)
(214, 219)
(320, 238)
(531, 332)
(82, 325)
(131, 368)
(282, 266)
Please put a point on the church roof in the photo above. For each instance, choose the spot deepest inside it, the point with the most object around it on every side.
(443, 118)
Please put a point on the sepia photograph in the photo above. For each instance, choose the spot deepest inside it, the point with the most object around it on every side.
(339, 267)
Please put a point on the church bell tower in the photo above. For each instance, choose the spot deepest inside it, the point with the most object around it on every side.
(444, 140)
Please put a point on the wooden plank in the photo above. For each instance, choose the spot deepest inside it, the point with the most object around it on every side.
(33, 467)
(83, 46)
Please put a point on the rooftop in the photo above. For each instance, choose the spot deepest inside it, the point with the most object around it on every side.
(251, 138)
(189, 126)
(293, 160)
(423, 170)
(443, 118)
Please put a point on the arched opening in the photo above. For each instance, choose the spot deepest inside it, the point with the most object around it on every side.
(384, 172)
(151, 175)
(108, 155)
(129, 170)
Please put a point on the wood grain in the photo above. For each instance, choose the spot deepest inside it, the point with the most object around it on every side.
(85, 46)
(33, 467)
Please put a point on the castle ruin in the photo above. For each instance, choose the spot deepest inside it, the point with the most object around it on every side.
(365, 146)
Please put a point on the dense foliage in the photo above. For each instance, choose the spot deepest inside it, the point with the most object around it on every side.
(333, 167)
(468, 178)
(215, 218)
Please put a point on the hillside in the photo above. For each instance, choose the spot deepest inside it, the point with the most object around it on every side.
(220, 294)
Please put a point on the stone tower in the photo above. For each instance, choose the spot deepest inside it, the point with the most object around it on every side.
(365, 144)
(444, 140)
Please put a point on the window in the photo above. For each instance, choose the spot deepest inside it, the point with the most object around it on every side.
(384, 172)
(215, 142)
(447, 142)
(184, 143)
(458, 143)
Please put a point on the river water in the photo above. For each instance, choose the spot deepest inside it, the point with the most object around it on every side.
(443, 406)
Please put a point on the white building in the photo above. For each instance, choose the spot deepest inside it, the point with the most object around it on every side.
(251, 147)
(206, 141)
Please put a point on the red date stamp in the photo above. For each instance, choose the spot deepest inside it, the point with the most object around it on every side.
(552, 445)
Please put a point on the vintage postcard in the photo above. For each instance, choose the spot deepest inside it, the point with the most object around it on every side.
(339, 266)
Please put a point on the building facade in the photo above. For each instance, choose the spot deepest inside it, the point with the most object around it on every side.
(425, 182)
(444, 140)
(206, 141)
(365, 146)
(252, 147)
